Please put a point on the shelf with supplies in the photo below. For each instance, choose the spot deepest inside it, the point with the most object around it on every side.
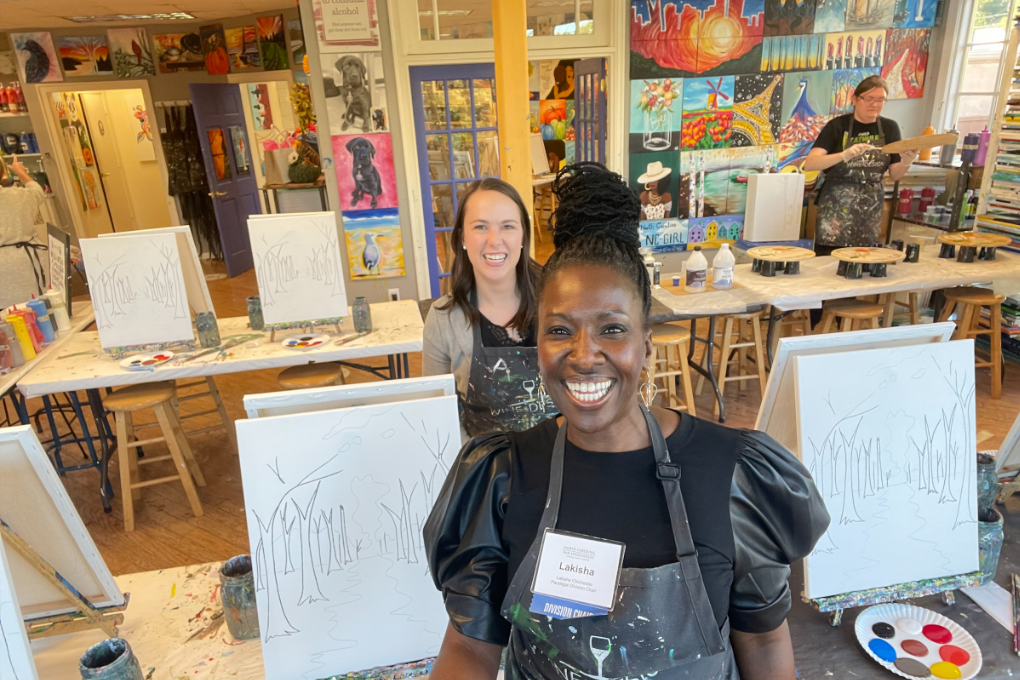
(999, 205)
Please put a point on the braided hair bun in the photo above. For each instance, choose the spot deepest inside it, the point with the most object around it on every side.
(596, 223)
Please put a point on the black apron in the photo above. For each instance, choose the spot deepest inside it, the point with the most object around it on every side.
(851, 200)
(505, 391)
(662, 623)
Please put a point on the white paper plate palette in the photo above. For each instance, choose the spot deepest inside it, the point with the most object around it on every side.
(305, 342)
(146, 361)
(914, 642)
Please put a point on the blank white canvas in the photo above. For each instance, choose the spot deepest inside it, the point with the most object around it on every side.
(335, 502)
(298, 267)
(16, 662)
(344, 396)
(137, 289)
(34, 503)
(889, 438)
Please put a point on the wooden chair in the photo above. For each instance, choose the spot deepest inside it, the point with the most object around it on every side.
(851, 315)
(741, 333)
(157, 396)
(669, 361)
(214, 393)
(311, 375)
(967, 302)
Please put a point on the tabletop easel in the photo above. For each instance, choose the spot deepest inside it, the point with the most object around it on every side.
(87, 617)
(835, 604)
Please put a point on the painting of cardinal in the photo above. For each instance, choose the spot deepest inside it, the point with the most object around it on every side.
(37, 57)
(131, 53)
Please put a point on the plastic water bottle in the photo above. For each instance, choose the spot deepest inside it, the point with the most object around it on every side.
(649, 264)
(697, 271)
(722, 268)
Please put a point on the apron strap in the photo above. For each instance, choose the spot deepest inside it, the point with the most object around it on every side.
(669, 474)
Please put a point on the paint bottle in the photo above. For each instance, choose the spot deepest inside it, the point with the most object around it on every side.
(982, 151)
(13, 344)
(4, 108)
(6, 358)
(722, 268)
(696, 272)
(970, 146)
(925, 154)
(21, 333)
(906, 202)
(42, 319)
(35, 336)
(947, 154)
(927, 198)
(58, 313)
(649, 261)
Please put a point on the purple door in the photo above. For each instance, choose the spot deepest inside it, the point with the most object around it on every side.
(590, 110)
(228, 165)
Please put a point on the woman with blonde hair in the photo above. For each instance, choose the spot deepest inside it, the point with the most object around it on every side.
(21, 270)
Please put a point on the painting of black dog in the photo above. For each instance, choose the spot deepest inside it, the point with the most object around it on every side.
(356, 93)
(367, 182)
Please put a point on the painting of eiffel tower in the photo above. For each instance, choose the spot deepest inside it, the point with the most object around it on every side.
(757, 109)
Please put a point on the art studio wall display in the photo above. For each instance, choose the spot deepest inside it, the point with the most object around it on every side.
(664, 236)
(339, 561)
(37, 59)
(655, 178)
(807, 97)
(296, 36)
(789, 18)
(844, 83)
(242, 48)
(222, 165)
(130, 52)
(830, 16)
(907, 62)
(272, 42)
(179, 52)
(375, 246)
(854, 49)
(708, 113)
(298, 267)
(792, 53)
(261, 108)
(915, 13)
(869, 14)
(894, 458)
(84, 55)
(214, 49)
(137, 289)
(656, 114)
(346, 23)
(143, 134)
(364, 171)
(712, 232)
(757, 109)
(355, 89)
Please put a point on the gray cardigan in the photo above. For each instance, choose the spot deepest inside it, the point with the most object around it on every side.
(448, 347)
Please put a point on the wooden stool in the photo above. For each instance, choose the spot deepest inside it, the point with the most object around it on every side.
(891, 303)
(669, 360)
(156, 396)
(214, 393)
(544, 203)
(311, 375)
(789, 325)
(747, 328)
(851, 315)
(968, 303)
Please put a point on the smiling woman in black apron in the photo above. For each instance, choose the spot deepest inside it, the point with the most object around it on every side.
(848, 150)
(525, 539)
(484, 331)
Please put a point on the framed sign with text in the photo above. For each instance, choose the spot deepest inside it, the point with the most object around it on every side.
(347, 23)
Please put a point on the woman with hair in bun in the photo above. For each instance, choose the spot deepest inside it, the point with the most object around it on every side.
(709, 518)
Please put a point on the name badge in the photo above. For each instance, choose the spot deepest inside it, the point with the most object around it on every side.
(576, 575)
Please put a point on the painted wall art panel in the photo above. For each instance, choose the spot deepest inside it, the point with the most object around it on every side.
(86, 55)
(37, 58)
(375, 246)
(178, 52)
(130, 52)
(365, 176)
(906, 62)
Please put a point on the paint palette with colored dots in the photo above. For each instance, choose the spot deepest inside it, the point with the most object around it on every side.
(304, 343)
(914, 642)
(146, 361)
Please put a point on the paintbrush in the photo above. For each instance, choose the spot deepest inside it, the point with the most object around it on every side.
(349, 338)
(1015, 583)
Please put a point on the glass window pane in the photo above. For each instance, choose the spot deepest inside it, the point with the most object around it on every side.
(973, 113)
(485, 107)
(459, 20)
(442, 205)
(990, 21)
(981, 74)
(426, 21)
(434, 101)
(439, 156)
(460, 104)
(462, 188)
(551, 17)
(464, 155)
(587, 24)
(488, 154)
(444, 255)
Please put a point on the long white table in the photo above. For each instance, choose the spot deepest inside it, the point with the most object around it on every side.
(83, 317)
(82, 364)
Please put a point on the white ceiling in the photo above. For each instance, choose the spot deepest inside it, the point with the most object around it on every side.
(23, 14)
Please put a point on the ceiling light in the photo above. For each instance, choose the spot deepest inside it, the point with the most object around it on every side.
(161, 16)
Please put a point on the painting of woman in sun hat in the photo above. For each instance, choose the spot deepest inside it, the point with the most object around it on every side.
(656, 201)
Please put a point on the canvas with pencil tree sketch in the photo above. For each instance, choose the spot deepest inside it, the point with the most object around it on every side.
(888, 436)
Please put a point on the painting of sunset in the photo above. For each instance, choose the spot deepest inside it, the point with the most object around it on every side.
(84, 55)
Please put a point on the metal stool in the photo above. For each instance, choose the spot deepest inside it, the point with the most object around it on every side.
(968, 303)
(851, 315)
(157, 396)
(669, 361)
(311, 375)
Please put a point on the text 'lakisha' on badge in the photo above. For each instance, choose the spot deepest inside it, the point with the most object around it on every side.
(576, 575)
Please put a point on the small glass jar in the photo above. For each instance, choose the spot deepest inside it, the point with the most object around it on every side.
(255, 313)
(208, 330)
(362, 315)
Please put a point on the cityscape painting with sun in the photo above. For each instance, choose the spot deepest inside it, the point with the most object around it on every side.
(708, 113)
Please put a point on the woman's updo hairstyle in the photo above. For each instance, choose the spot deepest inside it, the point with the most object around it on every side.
(596, 222)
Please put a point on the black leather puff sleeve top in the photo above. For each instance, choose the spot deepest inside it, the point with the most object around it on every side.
(753, 510)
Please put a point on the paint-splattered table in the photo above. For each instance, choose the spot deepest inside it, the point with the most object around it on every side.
(82, 364)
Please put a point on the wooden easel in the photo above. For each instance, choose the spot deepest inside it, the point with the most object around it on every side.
(87, 617)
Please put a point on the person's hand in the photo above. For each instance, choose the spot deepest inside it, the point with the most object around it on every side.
(855, 151)
(908, 157)
(18, 168)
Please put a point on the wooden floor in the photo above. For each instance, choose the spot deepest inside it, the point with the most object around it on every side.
(168, 535)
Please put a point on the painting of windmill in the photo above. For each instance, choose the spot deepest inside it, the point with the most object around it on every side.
(375, 247)
(707, 113)
(806, 103)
